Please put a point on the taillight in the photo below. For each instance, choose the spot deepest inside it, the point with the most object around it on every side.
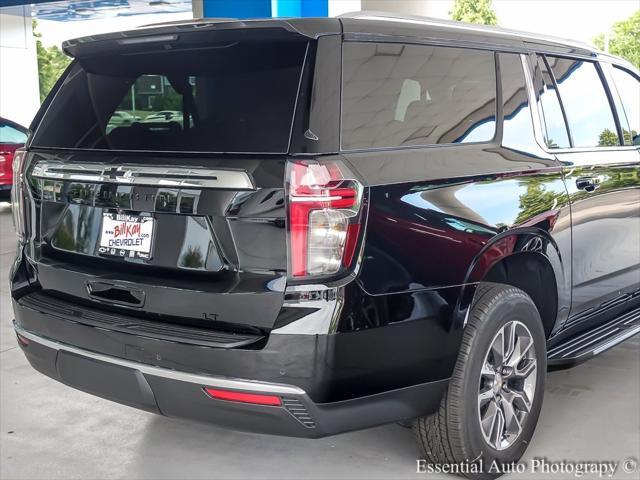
(324, 213)
(17, 194)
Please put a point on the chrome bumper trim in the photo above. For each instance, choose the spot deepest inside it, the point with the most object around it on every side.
(204, 380)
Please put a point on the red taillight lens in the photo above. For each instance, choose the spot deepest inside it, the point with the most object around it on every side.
(324, 218)
(254, 398)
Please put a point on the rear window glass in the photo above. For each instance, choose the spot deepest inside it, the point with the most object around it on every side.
(398, 95)
(237, 96)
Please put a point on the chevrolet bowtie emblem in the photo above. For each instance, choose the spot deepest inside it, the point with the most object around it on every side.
(115, 172)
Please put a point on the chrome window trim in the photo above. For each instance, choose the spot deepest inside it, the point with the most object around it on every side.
(203, 380)
(538, 117)
(143, 175)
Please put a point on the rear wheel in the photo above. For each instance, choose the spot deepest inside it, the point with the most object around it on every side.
(490, 410)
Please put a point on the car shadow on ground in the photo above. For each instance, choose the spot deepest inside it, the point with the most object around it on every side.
(388, 451)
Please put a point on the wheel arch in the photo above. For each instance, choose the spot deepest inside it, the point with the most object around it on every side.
(530, 260)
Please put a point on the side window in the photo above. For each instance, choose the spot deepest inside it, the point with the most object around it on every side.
(585, 103)
(11, 135)
(628, 87)
(395, 95)
(517, 130)
(555, 128)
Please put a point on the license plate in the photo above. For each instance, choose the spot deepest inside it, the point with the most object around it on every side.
(126, 235)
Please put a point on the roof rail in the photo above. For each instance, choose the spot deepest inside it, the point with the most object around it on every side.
(190, 21)
(430, 21)
(380, 15)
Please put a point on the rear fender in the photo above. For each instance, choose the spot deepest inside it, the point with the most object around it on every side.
(508, 244)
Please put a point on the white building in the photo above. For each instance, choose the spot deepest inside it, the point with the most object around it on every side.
(19, 91)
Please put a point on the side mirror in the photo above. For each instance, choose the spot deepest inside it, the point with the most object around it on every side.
(636, 140)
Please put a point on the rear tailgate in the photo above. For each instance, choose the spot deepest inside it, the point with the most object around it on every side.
(157, 177)
(216, 254)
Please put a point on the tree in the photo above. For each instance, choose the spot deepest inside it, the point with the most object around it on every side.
(608, 138)
(170, 100)
(51, 63)
(624, 39)
(474, 11)
(537, 199)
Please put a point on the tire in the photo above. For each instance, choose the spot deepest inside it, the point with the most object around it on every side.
(454, 434)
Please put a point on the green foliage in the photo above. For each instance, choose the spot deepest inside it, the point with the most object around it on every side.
(608, 138)
(624, 39)
(51, 64)
(192, 258)
(537, 200)
(170, 100)
(474, 11)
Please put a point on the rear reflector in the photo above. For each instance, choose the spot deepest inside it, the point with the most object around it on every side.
(231, 396)
(22, 340)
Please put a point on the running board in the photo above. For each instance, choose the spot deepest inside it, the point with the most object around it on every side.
(588, 344)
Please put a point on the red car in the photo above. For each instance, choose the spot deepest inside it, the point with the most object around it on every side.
(12, 137)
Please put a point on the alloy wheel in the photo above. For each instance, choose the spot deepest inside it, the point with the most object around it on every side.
(507, 385)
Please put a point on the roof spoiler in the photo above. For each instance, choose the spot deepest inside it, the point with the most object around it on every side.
(195, 31)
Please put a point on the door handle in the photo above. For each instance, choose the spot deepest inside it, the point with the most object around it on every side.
(116, 294)
(588, 184)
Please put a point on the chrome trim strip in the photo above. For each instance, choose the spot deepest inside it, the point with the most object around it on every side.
(576, 343)
(204, 380)
(616, 340)
(174, 177)
(488, 29)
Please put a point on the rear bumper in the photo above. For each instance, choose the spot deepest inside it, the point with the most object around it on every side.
(176, 393)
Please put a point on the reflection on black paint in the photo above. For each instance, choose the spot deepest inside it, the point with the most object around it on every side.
(180, 241)
(198, 251)
(427, 236)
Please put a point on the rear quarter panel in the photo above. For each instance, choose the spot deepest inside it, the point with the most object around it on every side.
(442, 217)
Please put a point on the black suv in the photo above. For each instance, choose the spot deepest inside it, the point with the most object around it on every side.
(312, 226)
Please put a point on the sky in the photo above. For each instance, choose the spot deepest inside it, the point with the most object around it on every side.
(54, 33)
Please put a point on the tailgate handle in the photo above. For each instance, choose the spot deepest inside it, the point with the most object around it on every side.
(115, 294)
